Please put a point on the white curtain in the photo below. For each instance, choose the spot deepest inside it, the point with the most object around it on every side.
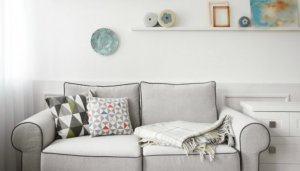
(16, 102)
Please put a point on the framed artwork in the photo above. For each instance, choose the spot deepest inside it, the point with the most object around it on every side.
(274, 13)
(221, 16)
(210, 5)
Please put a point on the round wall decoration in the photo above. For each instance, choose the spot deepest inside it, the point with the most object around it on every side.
(167, 18)
(244, 22)
(150, 19)
(104, 41)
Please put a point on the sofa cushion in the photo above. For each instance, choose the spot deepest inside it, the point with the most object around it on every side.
(109, 153)
(131, 91)
(168, 158)
(70, 115)
(154, 150)
(108, 116)
(194, 102)
(110, 146)
(55, 162)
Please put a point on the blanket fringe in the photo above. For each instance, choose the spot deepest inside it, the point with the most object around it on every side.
(206, 143)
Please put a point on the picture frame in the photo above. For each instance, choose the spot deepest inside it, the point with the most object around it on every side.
(209, 3)
(225, 14)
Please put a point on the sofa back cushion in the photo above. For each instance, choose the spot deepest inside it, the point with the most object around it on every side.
(131, 91)
(194, 102)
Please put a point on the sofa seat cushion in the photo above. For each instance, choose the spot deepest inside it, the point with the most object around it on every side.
(153, 150)
(110, 146)
(109, 153)
(173, 159)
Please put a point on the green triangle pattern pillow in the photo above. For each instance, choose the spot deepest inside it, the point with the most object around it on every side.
(70, 115)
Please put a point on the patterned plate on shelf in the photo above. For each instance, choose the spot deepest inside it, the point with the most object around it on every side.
(150, 19)
(104, 41)
(244, 22)
(167, 18)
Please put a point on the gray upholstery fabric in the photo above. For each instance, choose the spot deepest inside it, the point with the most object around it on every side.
(111, 146)
(170, 102)
(159, 158)
(223, 162)
(131, 91)
(31, 136)
(251, 138)
(55, 162)
(153, 150)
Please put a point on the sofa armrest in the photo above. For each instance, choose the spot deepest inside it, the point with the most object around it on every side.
(31, 136)
(251, 138)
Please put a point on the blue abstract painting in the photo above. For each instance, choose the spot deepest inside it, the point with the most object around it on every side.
(274, 13)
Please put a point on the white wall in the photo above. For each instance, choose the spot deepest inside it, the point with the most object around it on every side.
(61, 31)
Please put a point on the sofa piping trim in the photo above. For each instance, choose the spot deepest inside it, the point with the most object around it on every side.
(89, 156)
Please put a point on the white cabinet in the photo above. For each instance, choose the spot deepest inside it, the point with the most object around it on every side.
(283, 122)
(287, 151)
(295, 124)
(280, 120)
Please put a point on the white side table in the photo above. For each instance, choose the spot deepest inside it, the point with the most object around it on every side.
(283, 121)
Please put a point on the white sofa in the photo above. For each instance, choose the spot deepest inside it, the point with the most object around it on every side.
(149, 103)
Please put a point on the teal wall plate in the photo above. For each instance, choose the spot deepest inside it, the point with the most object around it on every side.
(104, 41)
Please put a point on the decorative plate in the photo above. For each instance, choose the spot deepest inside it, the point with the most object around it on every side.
(244, 22)
(167, 18)
(150, 19)
(104, 41)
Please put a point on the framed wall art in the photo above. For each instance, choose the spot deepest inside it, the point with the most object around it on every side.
(274, 13)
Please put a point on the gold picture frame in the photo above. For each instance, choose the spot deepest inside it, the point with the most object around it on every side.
(215, 8)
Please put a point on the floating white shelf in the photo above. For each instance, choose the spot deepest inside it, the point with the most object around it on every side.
(211, 29)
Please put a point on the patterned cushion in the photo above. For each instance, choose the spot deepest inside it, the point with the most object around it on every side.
(70, 115)
(89, 93)
(108, 116)
(130, 91)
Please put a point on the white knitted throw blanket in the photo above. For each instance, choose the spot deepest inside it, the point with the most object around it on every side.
(192, 137)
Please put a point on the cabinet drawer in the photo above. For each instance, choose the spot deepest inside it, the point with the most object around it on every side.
(281, 120)
(287, 151)
(279, 167)
(295, 124)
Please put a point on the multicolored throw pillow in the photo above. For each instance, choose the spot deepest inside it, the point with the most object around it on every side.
(70, 115)
(108, 116)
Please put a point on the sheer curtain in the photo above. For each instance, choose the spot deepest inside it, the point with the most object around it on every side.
(16, 102)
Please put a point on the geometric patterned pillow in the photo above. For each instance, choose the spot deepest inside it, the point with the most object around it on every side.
(70, 115)
(108, 116)
(89, 93)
